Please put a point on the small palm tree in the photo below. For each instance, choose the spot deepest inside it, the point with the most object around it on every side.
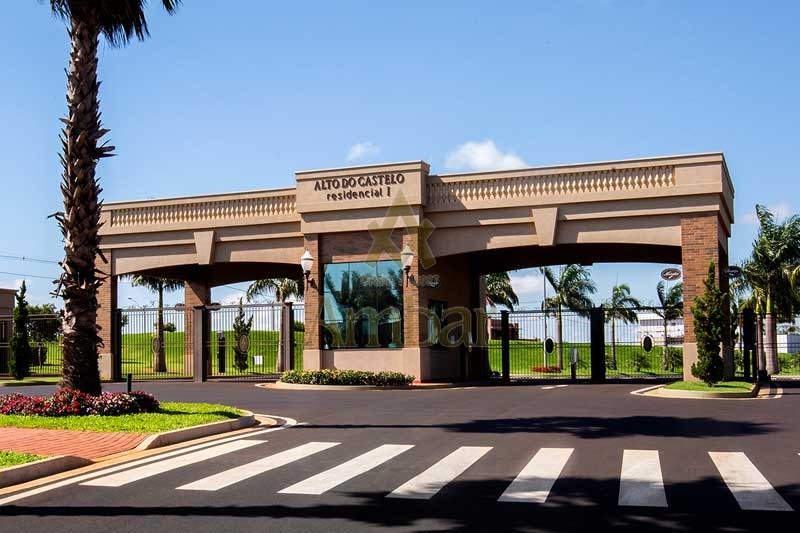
(118, 21)
(572, 287)
(159, 286)
(670, 307)
(282, 289)
(621, 306)
(499, 290)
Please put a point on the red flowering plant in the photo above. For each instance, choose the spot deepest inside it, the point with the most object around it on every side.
(68, 402)
(555, 369)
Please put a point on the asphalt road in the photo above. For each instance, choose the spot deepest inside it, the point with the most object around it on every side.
(598, 446)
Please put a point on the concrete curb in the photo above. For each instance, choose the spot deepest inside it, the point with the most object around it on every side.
(661, 391)
(23, 473)
(197, 432)
(298, 386)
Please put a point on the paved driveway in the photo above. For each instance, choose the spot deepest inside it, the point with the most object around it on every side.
(525, 458)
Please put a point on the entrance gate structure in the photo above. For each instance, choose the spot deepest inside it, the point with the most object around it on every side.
(457, 228)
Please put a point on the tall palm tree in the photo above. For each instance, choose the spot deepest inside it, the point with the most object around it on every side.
(118, 21)
(670, 307)
(770, 273)
(281, 288)
(499, 290)
(159, 286)
(572, 287)
(620, 306)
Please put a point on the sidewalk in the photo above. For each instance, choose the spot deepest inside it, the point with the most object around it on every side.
(50, 442)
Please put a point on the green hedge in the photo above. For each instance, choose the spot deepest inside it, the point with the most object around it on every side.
(346, 377)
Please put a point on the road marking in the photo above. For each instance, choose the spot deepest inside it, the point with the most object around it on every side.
(129, 476)
(548, 387)
(534, 482)
(432, 480)
(560, 386)
(290, 422)
(640, 482)
(243, 472)
(750, 488)
(337, 475)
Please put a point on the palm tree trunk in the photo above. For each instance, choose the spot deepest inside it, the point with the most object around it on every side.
(613, 345)
(80, 220)
(665, 356)
(160, 364)
(771, 344)
(559, 337)
(762, 360)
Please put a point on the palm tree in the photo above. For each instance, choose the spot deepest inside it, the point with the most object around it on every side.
(572, 287)
(670, 307)
(621, 306)
(771, 274)
(499, 290)
(159, 286)
(118, 21)
(282, 289)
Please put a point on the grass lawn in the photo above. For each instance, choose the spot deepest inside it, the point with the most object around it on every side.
(722, 386)
(632, 360)
(32, 380)
(172, 415)
(13, 458)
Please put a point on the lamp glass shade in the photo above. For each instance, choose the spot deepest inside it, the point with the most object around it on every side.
(306, 262)
(407, 256)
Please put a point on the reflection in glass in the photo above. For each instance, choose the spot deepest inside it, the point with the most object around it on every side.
(363, 305)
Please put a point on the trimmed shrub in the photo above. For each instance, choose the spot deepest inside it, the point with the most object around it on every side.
(709, 321)
(553, 369)
(69, 402)
(346, 377)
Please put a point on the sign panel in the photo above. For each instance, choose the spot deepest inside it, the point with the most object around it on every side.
(670, 274)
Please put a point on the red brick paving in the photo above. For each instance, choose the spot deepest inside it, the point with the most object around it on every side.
(87, 444)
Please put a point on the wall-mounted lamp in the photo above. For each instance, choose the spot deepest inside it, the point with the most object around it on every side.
(306, 262)
(407, 258)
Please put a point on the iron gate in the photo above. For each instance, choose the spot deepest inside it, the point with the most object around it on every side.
(44, 334)
(152, 344)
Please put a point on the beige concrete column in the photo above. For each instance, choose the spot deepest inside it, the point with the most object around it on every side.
(312, 354)
(196, 294)
(107, 307)
(699, 246)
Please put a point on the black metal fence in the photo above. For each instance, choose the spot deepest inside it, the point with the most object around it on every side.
(244, 342)
(147, 353)
(44, 333)
(563, 345)
(763, 345)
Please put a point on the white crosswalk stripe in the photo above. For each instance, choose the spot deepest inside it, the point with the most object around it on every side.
(337, 475)
(432, 480)
(534, 482)
(749, 486)
(152, 469)
(246, 471)
(640, 482)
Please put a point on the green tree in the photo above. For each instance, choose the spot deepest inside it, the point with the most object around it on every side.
(241, 336)
(771, 275)
(159, 286)
(670, 307)
(620, 306)
(499, 290)
(119, 21)
(709, 329)
(572, 285)
(21, 354)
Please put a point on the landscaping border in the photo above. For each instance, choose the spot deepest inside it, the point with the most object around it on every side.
(14, 475)
(175, 436)
(660, 391)
(418, 386)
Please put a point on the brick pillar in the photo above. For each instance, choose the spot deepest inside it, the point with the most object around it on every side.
(699, 246)
(107, 307)
(415, 327)
(196, 294)
(312, 356)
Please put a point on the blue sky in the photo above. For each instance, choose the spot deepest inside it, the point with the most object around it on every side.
(236, 99)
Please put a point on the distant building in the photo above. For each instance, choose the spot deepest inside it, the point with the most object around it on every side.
(789, 343)
(652, 324)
